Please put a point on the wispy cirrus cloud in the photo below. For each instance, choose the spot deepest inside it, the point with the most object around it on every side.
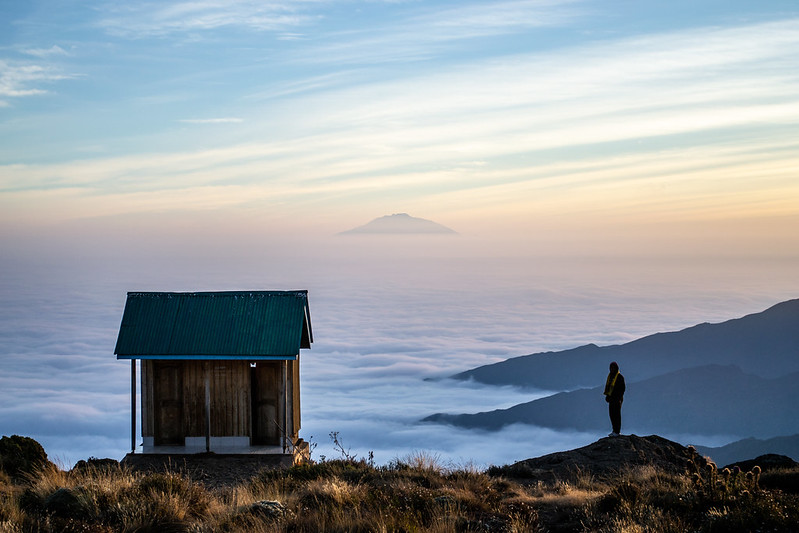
(54, 50)
(148, 19)
(483, 19)
(222, 120)
(421, 33)
(20, 79)
(624, 111)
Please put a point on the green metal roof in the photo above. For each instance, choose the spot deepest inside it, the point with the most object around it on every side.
(214, 325)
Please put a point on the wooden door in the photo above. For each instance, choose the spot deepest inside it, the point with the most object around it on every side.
(168, 392)
(266, 387)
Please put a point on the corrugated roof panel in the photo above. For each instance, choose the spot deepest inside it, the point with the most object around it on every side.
(236, 324)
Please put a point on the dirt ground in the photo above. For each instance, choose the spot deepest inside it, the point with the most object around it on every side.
(212, 470)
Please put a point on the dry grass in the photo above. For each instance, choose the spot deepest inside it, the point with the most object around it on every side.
(416, 493)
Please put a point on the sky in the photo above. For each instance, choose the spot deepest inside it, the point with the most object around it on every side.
(627, 125)
(612, 169)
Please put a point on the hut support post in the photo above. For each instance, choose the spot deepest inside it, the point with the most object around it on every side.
(285, 405)
(132, 406)
(207, 407)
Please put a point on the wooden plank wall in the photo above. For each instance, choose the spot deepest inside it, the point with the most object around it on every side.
(194, 398)
(147, 406)
(266, 405)
(231, 398)
(294, 383)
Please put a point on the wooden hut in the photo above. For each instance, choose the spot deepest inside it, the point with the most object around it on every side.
(219, 370)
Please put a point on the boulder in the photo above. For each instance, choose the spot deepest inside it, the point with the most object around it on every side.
(269, 508)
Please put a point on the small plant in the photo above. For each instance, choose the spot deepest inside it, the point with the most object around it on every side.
(338, 445)
(311, 447)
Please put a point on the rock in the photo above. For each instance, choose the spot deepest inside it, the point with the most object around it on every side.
(66, 503)
(446, 502)
(605, 457)
(270, 508)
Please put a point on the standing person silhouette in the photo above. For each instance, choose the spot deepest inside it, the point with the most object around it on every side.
(614, 395)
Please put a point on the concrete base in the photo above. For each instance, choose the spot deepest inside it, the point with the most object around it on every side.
(212, 469)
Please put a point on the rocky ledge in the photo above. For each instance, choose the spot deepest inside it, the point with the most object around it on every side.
(605, 458)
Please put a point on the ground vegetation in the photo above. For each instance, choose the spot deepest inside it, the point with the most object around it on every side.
(414, 493)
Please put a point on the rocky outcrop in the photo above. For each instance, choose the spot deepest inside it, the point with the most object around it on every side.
(604, 458)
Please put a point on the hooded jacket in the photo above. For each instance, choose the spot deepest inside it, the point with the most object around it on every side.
(615, 387)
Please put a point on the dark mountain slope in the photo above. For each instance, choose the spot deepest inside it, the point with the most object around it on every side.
(765, 344)
(708, 400)
(747, 448)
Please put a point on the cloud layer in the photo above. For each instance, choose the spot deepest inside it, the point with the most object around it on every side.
(384, 321)
(220, 145)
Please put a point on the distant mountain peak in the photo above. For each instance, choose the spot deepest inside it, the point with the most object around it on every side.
(398, 224)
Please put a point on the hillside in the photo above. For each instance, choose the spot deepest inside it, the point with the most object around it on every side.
(765, 344)
(707, 400)
(620, 484)
(747, 448)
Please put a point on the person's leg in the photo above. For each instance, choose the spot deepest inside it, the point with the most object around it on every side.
(615, 416)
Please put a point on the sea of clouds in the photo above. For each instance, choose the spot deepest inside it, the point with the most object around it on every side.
(390, 324)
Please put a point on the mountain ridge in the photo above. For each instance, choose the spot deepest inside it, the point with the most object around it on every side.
(763, 343)
(748, 448)
(706, 400)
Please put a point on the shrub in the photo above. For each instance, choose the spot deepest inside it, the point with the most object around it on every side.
(159, 488)
(67, 503)
(763, 512)
(784, 479)
(93, 463)
(20, 456)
